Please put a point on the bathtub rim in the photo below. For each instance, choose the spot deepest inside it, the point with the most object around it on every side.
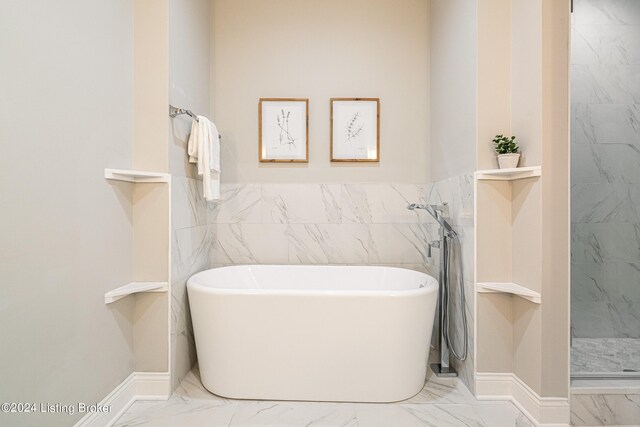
(431, 285)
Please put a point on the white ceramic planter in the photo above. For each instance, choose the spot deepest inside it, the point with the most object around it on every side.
(508, 161)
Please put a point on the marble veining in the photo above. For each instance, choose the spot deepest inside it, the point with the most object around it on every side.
(502, 414)
(190, 251)
(446, 415)
(606, 163)
(614, 12)
(607, 45)
(605, 203)
(250, 244)
(301, 203)
(442, 391)
(615, 282)
(605, 409)
(457, 192)
(329, 243)
(382, 203)
(400, 243)
(319, 224)
(294, 414)
(442, 402)
(601, 319)
(634, 82)
(238, 203)
(601, 84)
(605, 355)
(188, 207)
(605, 123)
(611, 242)
(191, 248)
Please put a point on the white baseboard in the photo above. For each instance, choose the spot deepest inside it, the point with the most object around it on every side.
(542, 411)
(137, 386)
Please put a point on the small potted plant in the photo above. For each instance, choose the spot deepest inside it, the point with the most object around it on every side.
(507, 149)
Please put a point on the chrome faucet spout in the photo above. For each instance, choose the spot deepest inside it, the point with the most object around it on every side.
(436, 213)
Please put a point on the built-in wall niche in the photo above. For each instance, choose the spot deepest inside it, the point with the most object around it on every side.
(150, 220)
(508, 227)
(508, 276)
(149, 284)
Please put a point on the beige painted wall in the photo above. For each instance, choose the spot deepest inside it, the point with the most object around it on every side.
(494, 332)
(453, 74)
(65, 115)
(540, 117)
(189, 74)
(526, 229)
(151, 259)
(555, 197)
(151, 92)
(526, 78)
(494, 77)
(319, 49)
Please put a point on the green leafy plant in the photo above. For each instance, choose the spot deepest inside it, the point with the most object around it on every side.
(505, 144)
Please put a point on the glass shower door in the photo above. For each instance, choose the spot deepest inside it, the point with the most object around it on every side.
(605, 189)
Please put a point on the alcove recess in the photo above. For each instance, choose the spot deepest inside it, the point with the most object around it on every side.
(508, 267)
(149, 285)
(150, 190)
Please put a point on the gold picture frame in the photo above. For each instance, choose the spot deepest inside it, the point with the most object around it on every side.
(352, 119)
(282, 124)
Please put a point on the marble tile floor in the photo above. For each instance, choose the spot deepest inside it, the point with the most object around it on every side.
(605, 355)
(441, 403)
(605, 403)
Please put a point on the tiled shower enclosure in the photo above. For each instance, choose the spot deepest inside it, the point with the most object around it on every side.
(605, 186)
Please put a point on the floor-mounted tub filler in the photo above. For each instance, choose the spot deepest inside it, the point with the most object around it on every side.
(317, 333)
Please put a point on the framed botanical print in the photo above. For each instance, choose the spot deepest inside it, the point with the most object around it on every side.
(355, 129)
(283, 130)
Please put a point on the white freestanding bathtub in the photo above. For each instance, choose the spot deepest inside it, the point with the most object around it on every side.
(320, 333)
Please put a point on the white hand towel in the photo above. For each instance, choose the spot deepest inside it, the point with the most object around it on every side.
(204, 149)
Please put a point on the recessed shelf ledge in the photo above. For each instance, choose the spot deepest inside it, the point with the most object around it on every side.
(509, 174)
(135, 176)
(134, 288)
(509, 288)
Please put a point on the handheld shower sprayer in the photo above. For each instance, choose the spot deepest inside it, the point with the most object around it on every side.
(447, 237)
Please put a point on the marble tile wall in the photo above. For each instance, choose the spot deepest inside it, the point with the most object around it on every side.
(190, 253)
(458, 193)
(605, 172)
(316, 224)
